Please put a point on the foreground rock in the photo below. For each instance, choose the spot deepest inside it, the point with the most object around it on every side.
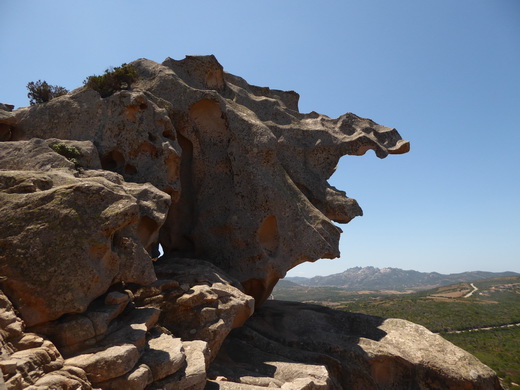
(30, 361)
(284, 341)
(133, 353)
(81, 296)
(197, 300)
(160, 336)
(67, 236)
(251, 170)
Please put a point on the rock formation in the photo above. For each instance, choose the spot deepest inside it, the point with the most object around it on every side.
(345, 351)
(94, 223)
(255, 198)
(75, 262)
(230, 180)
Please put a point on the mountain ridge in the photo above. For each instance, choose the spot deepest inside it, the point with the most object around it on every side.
(373, 278)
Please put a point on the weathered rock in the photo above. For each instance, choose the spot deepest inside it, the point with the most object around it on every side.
(247, 175)
(255, 198)
(66, 378)
(23, 367)
(133, 136)
(134, 353)
(164, 354)
(255, 171)
(115, 358)
(359, 351)
(11, 326)
(209, 306)
(68, 235)
(74, 332)
(108, 362)
(137, 379)
(7, 121)
(6, 107)
(259, 368)
(197, 358)
(193, 377)
(132, 328)
(27, 361)
(39, 155)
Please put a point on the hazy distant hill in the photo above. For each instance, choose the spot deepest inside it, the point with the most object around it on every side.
(371, 278)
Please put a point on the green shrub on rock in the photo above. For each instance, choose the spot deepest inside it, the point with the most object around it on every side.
(71, 153)
(41, 92)
(114, 79)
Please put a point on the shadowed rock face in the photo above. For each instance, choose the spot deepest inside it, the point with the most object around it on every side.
(246, 171)
(359, 352)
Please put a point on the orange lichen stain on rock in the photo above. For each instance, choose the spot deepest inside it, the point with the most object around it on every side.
(268, 235)
(255, 288)
(215, 79)
(98, 251)
(147, 147)
(131, 112)
(208, 118)
(261, 289)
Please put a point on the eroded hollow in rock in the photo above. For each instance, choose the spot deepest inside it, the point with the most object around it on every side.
(113, 160)
(147, 147)
(168, 133)
(174, 236)
(145, 230)
(5, 132)
(130, 169)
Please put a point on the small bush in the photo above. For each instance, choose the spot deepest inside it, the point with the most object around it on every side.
(114, 79)
(41, 92)
(71, 153)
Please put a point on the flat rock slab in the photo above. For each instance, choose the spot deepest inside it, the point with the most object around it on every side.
(164, 354)
(137, 379)
(108, 363)
(193, 377)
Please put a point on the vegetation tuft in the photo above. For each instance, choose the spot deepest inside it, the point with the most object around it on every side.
(113, 80)
(41, 92)
(498, 348)
(71, 153)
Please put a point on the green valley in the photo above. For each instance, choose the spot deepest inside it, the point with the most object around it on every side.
(482, 317)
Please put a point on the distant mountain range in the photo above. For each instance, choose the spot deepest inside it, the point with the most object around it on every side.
(372, 278)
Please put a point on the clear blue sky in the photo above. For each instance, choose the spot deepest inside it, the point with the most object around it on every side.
(445, 73)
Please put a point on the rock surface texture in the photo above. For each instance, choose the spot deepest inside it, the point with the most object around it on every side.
(231, 180)
(253, 170)
(68, 236)
(354, 351)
